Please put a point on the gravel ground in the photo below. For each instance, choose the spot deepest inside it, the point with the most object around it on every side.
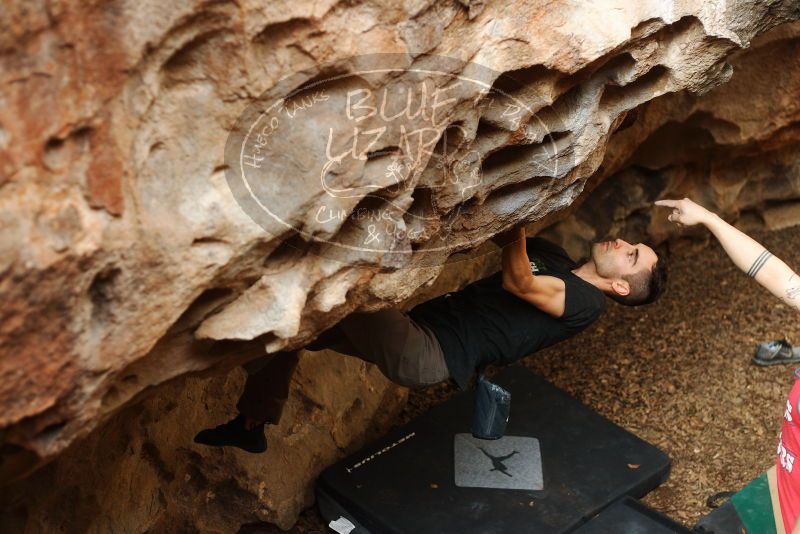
(678, 374)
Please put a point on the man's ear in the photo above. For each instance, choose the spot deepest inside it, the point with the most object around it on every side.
(621, 287)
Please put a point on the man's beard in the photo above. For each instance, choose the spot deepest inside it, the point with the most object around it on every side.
(594, 250)
(598, 256)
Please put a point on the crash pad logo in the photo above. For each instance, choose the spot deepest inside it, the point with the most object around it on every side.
(511, 462)
(382, 160)
(498, 462)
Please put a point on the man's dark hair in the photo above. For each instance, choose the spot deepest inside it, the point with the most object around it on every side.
(646, 286)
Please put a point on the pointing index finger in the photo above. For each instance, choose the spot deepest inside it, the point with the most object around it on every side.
(667, 203)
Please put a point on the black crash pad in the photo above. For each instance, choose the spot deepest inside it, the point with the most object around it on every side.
(629, 516)
(748, 511)
(723, 520)
(405, 482)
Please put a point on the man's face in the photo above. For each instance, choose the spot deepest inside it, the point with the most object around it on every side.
(618, 258)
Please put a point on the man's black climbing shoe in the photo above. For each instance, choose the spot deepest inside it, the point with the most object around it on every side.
(234, 434)
(775, 352)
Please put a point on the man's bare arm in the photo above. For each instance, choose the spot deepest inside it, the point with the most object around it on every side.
(744, 251)
(545, 292)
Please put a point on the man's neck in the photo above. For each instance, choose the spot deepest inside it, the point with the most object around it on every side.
(588, 273)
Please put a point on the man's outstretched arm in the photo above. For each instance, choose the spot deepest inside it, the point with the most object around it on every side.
(545, 292)
(744, 251)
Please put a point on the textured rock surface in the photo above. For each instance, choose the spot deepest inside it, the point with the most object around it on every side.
(141, 473)
(735, 149)
(124, 254)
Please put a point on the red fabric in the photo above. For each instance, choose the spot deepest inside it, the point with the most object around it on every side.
(787, 467)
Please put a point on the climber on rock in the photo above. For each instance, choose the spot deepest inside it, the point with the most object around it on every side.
(540, 297)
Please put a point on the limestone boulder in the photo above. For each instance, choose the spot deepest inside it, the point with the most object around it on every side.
(139, 265)
(734, 149)
(140, 472)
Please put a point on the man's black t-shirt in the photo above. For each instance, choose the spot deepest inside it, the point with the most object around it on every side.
(485, 324)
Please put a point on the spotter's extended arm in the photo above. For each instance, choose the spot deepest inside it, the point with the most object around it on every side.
(751, 257)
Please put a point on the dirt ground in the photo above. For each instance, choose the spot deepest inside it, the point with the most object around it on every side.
(678, 374)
